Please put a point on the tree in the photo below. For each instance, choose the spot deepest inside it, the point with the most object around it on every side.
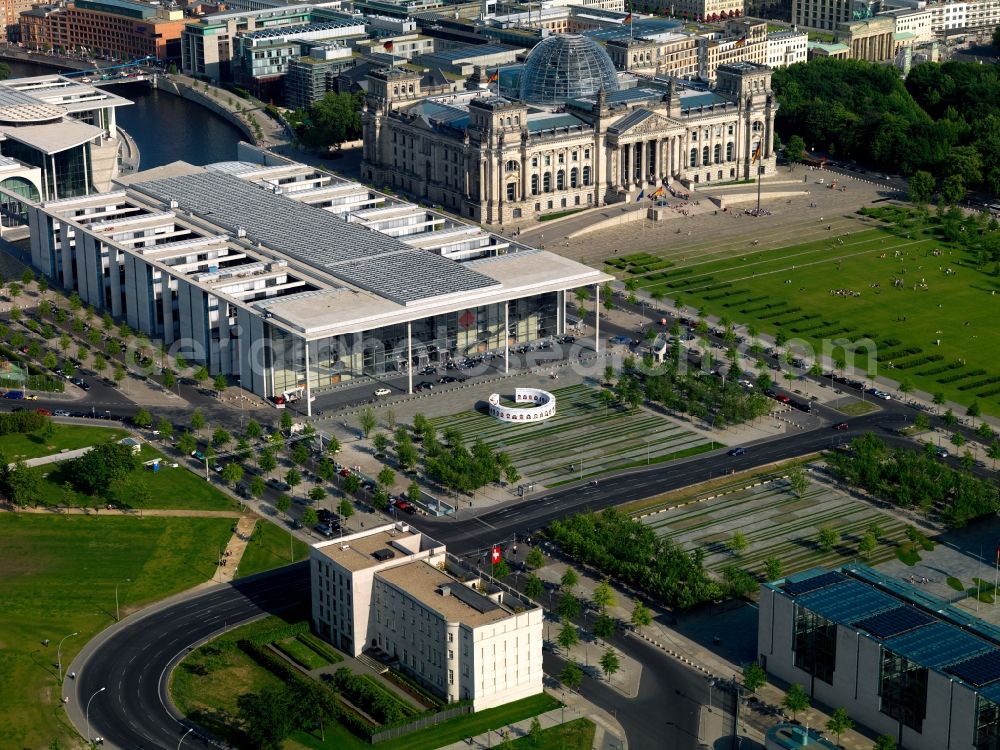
(773, 568)
(738, 543)
(500, 569)
(317, 494)
(165, 427)
(186, 443)
(605, 626)
(256, 487)
(887, 741)
(200, 375)
(23, 485)
(609, 663)
(973, 411)
(286, 422)
(283, 503)
(754, 677)
(569, 580)
(293, 478)
(267, 461)
(169, 379)
(535, 732)
(386, 477)
(232, 473)
(533, 587)
(310, 517)
(569, 606)
(797, 481)
(921, 187)
(867, 545)
(641, 615)
(142, 418)
(567, 637)
(795, 148)
(796, 699)
(413, 493)
(300, 453)
(380, 442)
(572, 675)
(828, 538)
(221, 437)
(267, 717)
(197, 420)
(952, 189)
(367, 420)
(996, 43)
(604, 595)
(351, 484)
(345, 508)
(220, 384)
(839, 723)
(511, 474)
(253, 429)
(330, 121)
(535, 558)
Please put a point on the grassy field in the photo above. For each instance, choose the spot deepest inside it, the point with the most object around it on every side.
(583, 431)
(269, 548)
(573, 735)
(58, 576)
(169, 488)
(937, 298)
(66, 437)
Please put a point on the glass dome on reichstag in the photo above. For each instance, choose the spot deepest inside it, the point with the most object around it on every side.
(566, 66)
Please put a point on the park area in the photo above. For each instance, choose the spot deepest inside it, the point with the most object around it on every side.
(925, 301)
(19, 446)
(584, 439)
(775, 522)
(58, 576)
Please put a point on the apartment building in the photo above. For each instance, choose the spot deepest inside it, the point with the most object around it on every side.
(787, 48)
(387, 591)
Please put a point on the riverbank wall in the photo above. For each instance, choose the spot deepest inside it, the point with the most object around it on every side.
(189, 92)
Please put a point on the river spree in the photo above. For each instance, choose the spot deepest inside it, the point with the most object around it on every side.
(166, 128)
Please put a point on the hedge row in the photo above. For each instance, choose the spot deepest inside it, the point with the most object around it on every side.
(683, 283)
(749, 301)
(979, 383)
(909, 364)
(21, 422)
(375, 700)
(776, 313)
(407, 683)
(892, 354)
(890, 342)
(279, 633)
(719, 295)
(961, 376)
(988, 392)
(768, 306)
(941, 369)
(815, 327)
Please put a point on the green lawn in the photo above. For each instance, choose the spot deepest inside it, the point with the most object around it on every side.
(66, 437)
(269, 548)
(169, 488)
(573, 735)
(790, 289)
(58, 576)
(302, 653)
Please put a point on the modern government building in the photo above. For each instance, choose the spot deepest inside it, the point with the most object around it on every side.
(574, 137)
(901, 662)
(290, 279)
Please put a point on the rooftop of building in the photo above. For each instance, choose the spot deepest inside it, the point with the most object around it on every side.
(375, 547)
(450, 598)
(828, 48)
(467, 52)
(649, 28)
(904, 619)
(307, 28)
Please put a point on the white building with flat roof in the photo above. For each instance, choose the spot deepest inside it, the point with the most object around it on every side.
(388, 590)
(786, 48)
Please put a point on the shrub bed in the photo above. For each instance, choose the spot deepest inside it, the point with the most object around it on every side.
(321, 647)
(776, 313)
(375, 700)
(909, 364)
(979, 383)
(412, 686)
(962, 376)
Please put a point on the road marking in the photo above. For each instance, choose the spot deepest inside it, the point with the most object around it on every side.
(487, 525)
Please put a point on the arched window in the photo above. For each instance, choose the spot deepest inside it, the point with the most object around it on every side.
(704, 155)
(758, 126)
(718, 153)
(534, 184)
(547, 182)
(694, 157)
(560, 180)
(586, 175)
(729, 151)
(573, 177)
(512, 166)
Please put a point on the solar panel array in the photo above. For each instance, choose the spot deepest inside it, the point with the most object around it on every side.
(979, 670)
(474, 599)
(370, 260)
(797, 588)
(894, 622)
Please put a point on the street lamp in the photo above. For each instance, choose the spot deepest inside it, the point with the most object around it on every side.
(711, 684)
(59, 654)
(117, 615)
(183, 736)
(89, 738)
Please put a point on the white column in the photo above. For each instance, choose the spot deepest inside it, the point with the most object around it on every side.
(597, 318)
(86, 169)
(506, 337)
(309, 406)
(55, 187)
(409, 357)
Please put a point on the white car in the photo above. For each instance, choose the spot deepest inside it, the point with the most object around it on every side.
(381, 392)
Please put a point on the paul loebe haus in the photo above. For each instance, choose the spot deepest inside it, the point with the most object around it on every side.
(292, 279)
(901, 661)
(386, 591)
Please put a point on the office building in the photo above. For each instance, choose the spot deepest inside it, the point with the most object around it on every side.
(310, 77)
(497, 160)
(121, 29)
(62, 132)
(388, 590)
(786, 48)
(901, 662)
(293, 280)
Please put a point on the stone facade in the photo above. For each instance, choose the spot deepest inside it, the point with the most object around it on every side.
(499, 161)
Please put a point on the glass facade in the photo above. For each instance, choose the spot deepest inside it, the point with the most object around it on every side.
(987, 724)
(14, 213)
(566, 66)
(903, 688)
(67, 177)
(455, 335)
(815, 644)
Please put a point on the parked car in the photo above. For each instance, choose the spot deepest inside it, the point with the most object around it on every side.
(382, 392)
(782, 398)
(17, 395)
(324, 530)
(61, 413)
(405, 506)
(199, 455)
(424, 385)
(738, 451)
(448, 379)
(942, 453)
(278, 485)
(44, 412)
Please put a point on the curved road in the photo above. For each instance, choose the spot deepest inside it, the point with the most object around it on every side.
(133, 660)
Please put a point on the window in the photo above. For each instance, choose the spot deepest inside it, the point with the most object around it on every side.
(560, 180)
(694, 157)
(534, 187)
(903, 689)
(704, 155)
(512, 191)
(586, 153)
(511, 166)
(729, 151)
(562, 158)
(815, 644)
(573, 175)
(534, 161)
(547, 182)
(717, 155)
(586, 176)
(575, 155)
(548, 160)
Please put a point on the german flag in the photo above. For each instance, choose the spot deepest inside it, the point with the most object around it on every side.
(494, 76)
(756, 153)
(741, 41)
(628, 19)
(388, 46)
(659, 192)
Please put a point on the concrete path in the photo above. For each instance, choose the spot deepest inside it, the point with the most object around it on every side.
(229, 564)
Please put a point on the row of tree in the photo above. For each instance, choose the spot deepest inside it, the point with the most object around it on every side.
(915, 479)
